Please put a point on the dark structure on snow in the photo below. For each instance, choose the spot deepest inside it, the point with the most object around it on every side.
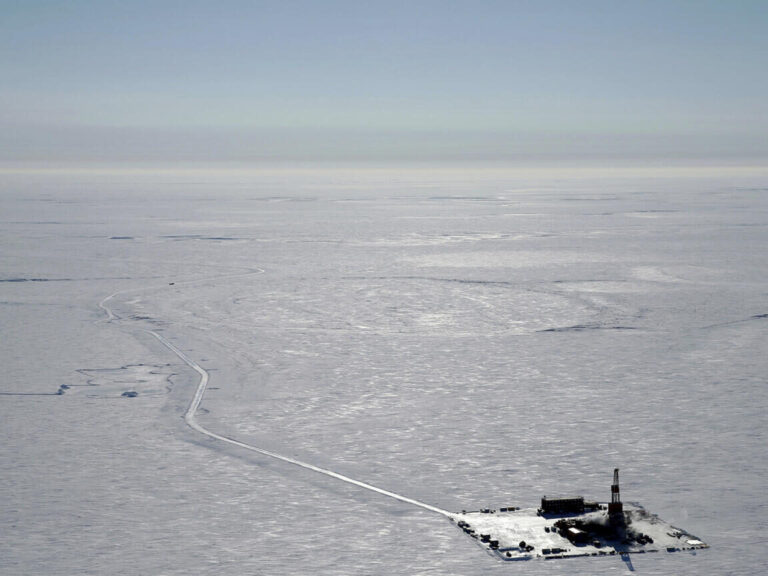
(616, 508)
(576, 504)
(562, 505)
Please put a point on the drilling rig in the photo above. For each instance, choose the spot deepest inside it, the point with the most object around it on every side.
(616, 508)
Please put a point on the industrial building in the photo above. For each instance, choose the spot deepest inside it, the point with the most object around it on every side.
(573, 505)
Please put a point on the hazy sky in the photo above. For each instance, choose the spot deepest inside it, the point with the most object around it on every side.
(249, 80)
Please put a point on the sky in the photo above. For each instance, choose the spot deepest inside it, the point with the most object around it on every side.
(258, 81)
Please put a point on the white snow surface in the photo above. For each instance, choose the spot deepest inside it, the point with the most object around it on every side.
(461, 341)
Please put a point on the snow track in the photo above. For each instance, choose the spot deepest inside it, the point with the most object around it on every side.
(191, 420)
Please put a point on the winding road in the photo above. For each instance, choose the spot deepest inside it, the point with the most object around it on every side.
(191, 413)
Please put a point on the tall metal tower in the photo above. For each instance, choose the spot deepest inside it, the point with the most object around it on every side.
(615, 508)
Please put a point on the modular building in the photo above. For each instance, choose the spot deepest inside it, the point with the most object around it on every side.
(572, 505)
(576, 536)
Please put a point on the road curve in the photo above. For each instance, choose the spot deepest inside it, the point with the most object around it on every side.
(191, 420)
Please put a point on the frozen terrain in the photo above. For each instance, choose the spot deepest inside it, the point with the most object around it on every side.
(462, 339)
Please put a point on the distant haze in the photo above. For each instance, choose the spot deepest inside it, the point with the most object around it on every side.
(173, 81)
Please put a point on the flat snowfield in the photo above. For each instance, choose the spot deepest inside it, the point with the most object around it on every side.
(435, 341)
